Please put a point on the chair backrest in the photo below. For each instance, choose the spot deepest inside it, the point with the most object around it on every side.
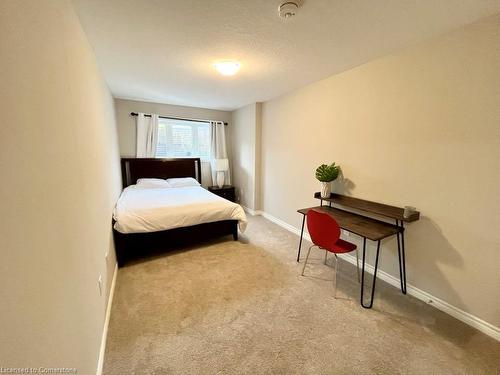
(323, 229)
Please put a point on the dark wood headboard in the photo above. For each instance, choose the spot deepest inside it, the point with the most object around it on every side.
(133, 169)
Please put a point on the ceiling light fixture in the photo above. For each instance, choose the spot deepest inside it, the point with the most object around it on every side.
(288, 9)
(227, 68)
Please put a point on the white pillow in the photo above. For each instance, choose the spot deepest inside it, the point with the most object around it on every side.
(183, 182)
(156, 183)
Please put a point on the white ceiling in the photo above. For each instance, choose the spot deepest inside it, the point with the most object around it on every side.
(163, 50)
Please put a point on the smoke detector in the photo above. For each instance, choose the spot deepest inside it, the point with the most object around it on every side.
(288, 9)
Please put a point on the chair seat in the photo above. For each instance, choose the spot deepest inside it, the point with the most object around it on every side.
(342, 246)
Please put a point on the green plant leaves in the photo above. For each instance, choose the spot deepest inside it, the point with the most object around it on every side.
(327, 173)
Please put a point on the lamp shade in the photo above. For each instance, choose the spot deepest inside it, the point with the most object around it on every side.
(221, 165)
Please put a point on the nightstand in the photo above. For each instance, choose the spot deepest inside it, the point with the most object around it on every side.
(227, 192)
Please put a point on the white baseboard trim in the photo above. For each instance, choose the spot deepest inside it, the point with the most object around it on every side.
(438, 303)
(285, 225)
(100, 362)
(251, 211)
(472, 320)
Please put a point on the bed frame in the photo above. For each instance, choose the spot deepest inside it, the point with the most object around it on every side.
(131, 245)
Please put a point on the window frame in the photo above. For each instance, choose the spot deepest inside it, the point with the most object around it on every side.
(195, 138)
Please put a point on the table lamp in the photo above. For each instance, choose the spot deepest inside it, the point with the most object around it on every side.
(221, 166)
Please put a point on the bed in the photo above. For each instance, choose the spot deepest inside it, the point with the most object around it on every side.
(150, 219)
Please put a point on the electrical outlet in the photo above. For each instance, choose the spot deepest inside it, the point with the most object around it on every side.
(99, 282)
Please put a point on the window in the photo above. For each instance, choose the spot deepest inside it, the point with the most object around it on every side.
(183, 138)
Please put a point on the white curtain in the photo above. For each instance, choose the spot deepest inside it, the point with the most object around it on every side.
(147, 135)
(218, 148)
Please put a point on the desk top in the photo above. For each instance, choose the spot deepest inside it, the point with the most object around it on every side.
(363, 226)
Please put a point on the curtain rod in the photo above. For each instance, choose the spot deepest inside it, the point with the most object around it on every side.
(174, 118)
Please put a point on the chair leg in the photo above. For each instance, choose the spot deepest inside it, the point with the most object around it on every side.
(357, 265)
(326, 254)
(307, 257)
(335, 277)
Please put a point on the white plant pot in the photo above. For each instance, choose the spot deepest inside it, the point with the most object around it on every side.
(326, 189)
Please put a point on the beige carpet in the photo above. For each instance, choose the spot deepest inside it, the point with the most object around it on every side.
(242, 308)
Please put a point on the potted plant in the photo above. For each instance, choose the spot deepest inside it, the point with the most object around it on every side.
(326, 174)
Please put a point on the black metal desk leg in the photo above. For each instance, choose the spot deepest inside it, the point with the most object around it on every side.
(403, 260)
(402, 276)
(301, 235)
(369, 306)
(363, 271)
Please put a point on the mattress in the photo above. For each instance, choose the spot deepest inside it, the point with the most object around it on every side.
(142, 209)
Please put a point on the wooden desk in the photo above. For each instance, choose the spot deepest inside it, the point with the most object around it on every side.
(366, 227)
(390, 212)
(363, 226)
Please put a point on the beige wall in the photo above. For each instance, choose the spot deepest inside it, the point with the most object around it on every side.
(246, 157)
(421, 128)
(60, 180)
(127, 129)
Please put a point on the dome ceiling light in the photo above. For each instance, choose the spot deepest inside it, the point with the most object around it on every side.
(227, 67)
(288, 9)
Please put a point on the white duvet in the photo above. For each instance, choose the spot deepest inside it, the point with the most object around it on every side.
(141, 209)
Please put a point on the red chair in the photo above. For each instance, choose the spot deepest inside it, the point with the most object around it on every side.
(325, 234)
